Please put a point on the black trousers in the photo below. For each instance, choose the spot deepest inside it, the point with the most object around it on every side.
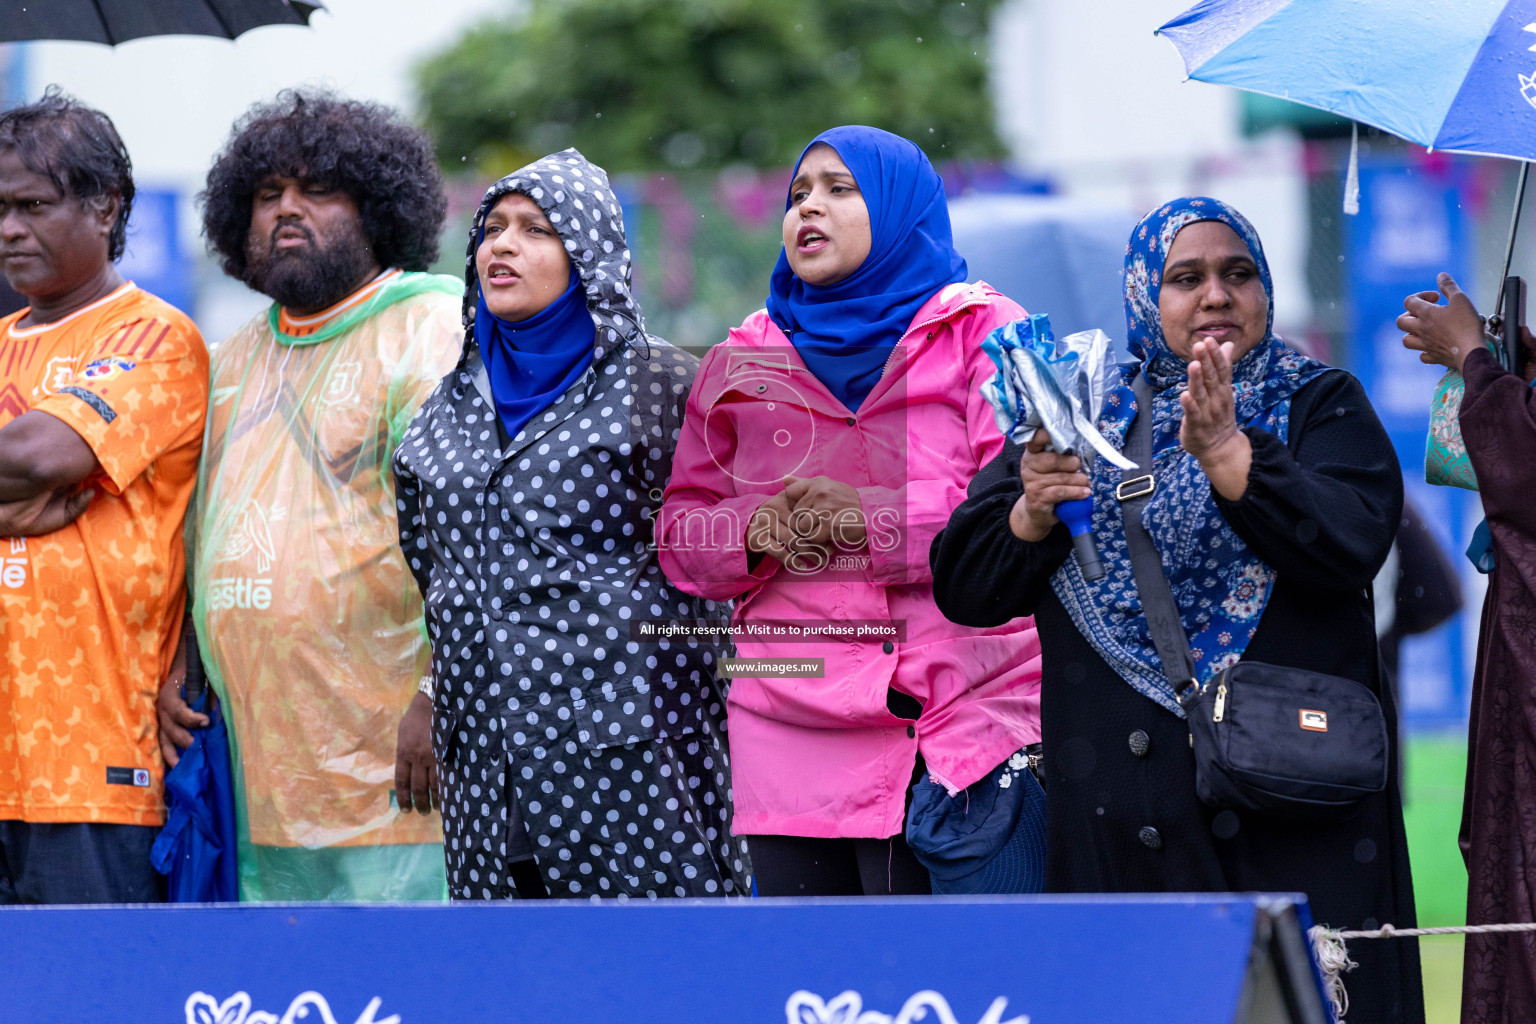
(86, 862)
(805, 866)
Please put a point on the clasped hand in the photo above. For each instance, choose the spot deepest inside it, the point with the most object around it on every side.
(808, 515)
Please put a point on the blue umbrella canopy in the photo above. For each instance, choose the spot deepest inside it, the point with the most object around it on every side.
(1456, 75)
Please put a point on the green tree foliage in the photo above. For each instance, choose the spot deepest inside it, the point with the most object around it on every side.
(653, 84)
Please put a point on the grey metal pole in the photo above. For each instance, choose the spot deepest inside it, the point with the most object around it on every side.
(1514, 225)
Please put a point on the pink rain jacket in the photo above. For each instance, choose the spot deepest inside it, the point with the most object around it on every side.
(823, 756)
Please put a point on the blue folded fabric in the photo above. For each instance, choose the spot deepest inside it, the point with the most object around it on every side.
(987, 839)
(1480, 551)
(196, 848)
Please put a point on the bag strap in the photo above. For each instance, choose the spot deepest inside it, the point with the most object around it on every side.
(1136, 486)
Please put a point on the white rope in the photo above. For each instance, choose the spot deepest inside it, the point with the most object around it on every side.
(1332, 960)
(1386, 931)
(1333, 956)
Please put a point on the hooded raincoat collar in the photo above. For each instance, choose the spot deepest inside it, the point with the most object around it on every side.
(575, 195)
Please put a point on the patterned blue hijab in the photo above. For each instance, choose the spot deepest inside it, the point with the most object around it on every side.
(1220, 586)
(846, 331)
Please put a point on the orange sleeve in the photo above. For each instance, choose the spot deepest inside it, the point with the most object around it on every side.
(132, 408)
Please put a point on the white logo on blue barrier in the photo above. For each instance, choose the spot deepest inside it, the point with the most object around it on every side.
(202, 1008)
(848, 1008)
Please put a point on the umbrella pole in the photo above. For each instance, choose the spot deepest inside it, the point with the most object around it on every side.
(1514, 225)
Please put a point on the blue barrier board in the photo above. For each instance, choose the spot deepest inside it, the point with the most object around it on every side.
(1015, 960)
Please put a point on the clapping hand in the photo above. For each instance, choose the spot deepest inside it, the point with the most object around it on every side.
(1209, 431)
(1210, 418)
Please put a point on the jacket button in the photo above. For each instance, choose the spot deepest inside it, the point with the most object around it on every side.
(887, 647)
(1140, 743)
(523, 754)
(1149, 838)
(851, 421)
(911, 731)
(498, 613)
(761, 388)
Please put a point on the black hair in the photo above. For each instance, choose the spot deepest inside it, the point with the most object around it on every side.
(77, 148)
(363, 149)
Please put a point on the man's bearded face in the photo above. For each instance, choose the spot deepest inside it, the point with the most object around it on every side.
(306, 248)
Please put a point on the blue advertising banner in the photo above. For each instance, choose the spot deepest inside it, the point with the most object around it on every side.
(1002, 960)
(1412, 226)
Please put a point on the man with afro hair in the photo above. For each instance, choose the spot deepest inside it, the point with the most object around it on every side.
(309, 624)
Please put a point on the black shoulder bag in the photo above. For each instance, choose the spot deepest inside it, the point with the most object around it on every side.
(1275, 740)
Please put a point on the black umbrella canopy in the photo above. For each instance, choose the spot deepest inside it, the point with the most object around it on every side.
(117, 21)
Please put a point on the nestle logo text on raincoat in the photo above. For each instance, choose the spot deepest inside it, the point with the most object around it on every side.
(239, 592)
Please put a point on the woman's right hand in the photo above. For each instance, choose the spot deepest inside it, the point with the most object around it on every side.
(1049, 479)
(1443, 334)
(768, 533)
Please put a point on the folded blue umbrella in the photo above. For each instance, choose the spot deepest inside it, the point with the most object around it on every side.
(196, 848)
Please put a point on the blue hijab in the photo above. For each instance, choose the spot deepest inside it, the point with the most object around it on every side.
(1220, 586)
(532, 362)
(846, 331)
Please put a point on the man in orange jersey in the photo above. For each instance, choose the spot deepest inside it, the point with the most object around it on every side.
(103, 392)
(309, 622)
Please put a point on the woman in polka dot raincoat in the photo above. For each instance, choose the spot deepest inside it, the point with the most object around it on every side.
(578, 757)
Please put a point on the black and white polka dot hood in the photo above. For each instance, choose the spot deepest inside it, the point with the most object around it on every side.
(575, 195)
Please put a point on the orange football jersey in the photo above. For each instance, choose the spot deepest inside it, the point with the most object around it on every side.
(90, 614)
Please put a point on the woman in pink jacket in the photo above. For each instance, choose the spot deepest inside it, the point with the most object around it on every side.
(825, 443)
